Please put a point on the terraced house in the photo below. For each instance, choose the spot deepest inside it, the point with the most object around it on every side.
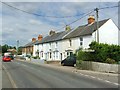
(58, 45)
(28, 48)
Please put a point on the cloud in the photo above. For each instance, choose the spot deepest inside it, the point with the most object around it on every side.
(21, 26)
(36, 22)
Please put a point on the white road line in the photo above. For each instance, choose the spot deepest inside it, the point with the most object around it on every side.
(99, 79)
(92, 77)
(116, 83)
(80, 74)
(10, 78)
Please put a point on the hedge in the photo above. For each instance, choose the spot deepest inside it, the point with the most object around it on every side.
(102, 53)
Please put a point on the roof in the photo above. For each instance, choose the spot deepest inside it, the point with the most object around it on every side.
(80, 31)
(30, 44)
(85, 29)
(55, 37)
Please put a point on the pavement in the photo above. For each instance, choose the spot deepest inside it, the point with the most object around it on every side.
(27, 74)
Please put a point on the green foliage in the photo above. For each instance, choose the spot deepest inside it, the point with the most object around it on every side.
(19, 50)
(103, 53)
(6, 47)
(110, 61)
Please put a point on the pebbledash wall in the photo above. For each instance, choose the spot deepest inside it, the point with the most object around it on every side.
(100, 67)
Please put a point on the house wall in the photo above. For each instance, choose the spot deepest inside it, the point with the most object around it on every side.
(86, 41)
(119, 36)
(108, 33)
(35, 48)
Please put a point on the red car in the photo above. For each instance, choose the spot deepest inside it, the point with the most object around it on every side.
(6, 58)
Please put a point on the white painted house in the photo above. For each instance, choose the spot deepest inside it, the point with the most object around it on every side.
(57, 46)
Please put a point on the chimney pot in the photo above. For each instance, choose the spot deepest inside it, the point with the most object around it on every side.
(51, 32)
(40, 37)
(33, 39)
(91, 19)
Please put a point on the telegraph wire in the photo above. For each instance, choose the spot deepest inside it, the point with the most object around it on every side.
(78, 19)
(84, 14)
(48, 15)
(108, 7)
(39, 14)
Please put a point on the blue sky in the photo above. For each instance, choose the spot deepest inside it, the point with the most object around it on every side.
(17, 25)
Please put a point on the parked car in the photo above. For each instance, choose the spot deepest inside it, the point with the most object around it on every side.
(6, 58)
(69, 61)
(12, 57)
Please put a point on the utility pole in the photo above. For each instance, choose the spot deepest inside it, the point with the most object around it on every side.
(97, 39)
(17, 46)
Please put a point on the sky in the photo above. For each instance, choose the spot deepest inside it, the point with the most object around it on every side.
(16, 25)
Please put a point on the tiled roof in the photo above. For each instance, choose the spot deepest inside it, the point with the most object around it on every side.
(30, 44)
(55, 37)
(80, 31)
(85, 29)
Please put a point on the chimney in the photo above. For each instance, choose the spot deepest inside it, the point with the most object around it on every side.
(40, 37)
(67, 28)
(51, 32)
(33, 39)
(91, 19)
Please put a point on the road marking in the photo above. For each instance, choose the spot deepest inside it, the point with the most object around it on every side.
(99, 79)
(92, 77)
(10, 78)
(80, 74)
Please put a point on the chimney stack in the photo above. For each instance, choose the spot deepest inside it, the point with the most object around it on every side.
(67, 28)
(33, 39)
(40, 37)
(91, 19)
(51, 32)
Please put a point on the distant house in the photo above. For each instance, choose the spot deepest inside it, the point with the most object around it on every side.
(57, 46)
(13, 51)
(28, 48)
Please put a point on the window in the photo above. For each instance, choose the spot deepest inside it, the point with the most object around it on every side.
(67, 53)
(70, 42)
(50, 55)
(42, 54)
(81, 43)
(81, 39)
(71, 53)
(56, 55)
(56, 44)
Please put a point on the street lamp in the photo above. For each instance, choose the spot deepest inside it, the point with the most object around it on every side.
(17, 46)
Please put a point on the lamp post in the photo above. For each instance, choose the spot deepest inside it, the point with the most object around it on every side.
(17, 46)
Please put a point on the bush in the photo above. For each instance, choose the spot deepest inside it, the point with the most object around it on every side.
(110, 61)
(103, 53)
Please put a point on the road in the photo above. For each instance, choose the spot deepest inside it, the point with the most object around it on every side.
(19, 74)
